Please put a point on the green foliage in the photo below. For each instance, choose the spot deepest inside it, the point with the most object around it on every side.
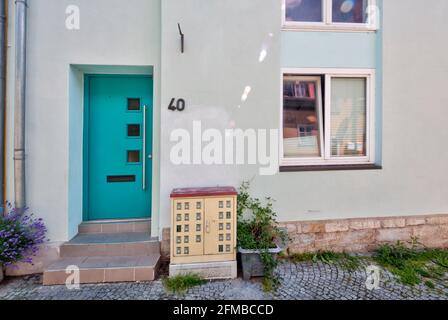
(181, 283)
(302, 257)
(344, 260)
(258, 230)
(430, 284)
(397, 255)
(412, 263)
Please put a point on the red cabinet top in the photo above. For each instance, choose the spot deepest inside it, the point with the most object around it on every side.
(203, 192)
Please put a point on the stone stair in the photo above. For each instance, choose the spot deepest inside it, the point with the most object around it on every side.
(108, 252)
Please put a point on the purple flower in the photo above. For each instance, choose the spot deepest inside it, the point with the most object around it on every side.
(20, 236)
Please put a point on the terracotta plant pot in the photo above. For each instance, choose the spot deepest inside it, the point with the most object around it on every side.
(1, 273)
(252, 264)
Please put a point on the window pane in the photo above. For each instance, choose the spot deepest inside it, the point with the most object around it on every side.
(350, 11)
(301, 133)
(134, 156)
(348, 117)
(303, 10)
(133, 104)
(133, 130)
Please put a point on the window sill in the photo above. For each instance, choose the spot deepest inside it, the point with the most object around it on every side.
(345, 167)
(328, 28)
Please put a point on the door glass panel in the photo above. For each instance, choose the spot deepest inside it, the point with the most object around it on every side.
(133, 104)
(133, 156)
(133, 130)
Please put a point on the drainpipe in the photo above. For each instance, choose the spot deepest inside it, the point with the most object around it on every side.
(19, 104)
(3, 52)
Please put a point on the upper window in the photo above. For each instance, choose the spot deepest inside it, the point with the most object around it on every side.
(349, 11)
(304, 10)
(327, 117)
(329, 14)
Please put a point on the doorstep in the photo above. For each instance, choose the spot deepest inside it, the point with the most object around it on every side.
(111, 244)
(104, 269)
(107, 257)
(115, 226)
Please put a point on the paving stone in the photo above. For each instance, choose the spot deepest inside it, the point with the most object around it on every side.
(304, 281)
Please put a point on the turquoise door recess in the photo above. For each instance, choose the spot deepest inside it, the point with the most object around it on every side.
(119, 142)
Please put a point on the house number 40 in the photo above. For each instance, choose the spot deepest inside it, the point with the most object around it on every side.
(177, 105)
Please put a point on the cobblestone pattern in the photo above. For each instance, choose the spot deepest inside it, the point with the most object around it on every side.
(303, 281)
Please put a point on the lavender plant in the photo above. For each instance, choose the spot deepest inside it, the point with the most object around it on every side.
(21, 235)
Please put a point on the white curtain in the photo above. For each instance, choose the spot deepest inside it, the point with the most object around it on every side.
(348, 117)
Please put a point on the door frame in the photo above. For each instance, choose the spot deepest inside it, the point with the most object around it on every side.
(85, 138)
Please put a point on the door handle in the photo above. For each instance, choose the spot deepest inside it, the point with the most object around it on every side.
(207, 226)
(144, 148)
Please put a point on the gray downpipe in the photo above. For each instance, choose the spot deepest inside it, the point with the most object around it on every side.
(19, 104)
(3, 52)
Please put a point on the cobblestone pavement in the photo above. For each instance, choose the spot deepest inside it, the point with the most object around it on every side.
(304, 281)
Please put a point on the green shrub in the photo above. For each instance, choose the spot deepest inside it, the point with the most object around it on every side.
(412, 263)
(181, 283)
(344, 260)
(258, 230)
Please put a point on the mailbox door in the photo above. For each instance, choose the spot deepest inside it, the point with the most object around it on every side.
(188, 218)
(219, 226)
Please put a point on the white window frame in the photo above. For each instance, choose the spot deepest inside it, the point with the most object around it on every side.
(327, 159)
(327, 23)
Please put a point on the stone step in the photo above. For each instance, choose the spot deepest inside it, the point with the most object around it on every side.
(104, 269)
(110, 245)
(115, 226)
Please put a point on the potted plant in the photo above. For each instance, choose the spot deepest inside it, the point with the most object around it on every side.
(20, 237)
(259, 236)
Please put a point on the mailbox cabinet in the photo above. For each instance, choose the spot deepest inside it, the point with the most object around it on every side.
(203, 225)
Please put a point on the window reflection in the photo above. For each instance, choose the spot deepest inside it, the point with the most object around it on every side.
(350, 11)
(304, 10)
(301, 122)
(133, 130)
(133, 156)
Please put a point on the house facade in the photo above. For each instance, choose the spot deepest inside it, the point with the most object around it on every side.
(341, 104)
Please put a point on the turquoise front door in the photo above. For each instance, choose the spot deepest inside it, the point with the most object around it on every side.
(119, 147)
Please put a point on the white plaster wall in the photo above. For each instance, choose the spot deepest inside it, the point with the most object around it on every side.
(113, 32)
(223, 42)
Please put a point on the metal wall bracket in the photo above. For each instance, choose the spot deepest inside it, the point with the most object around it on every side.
(182, 36)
